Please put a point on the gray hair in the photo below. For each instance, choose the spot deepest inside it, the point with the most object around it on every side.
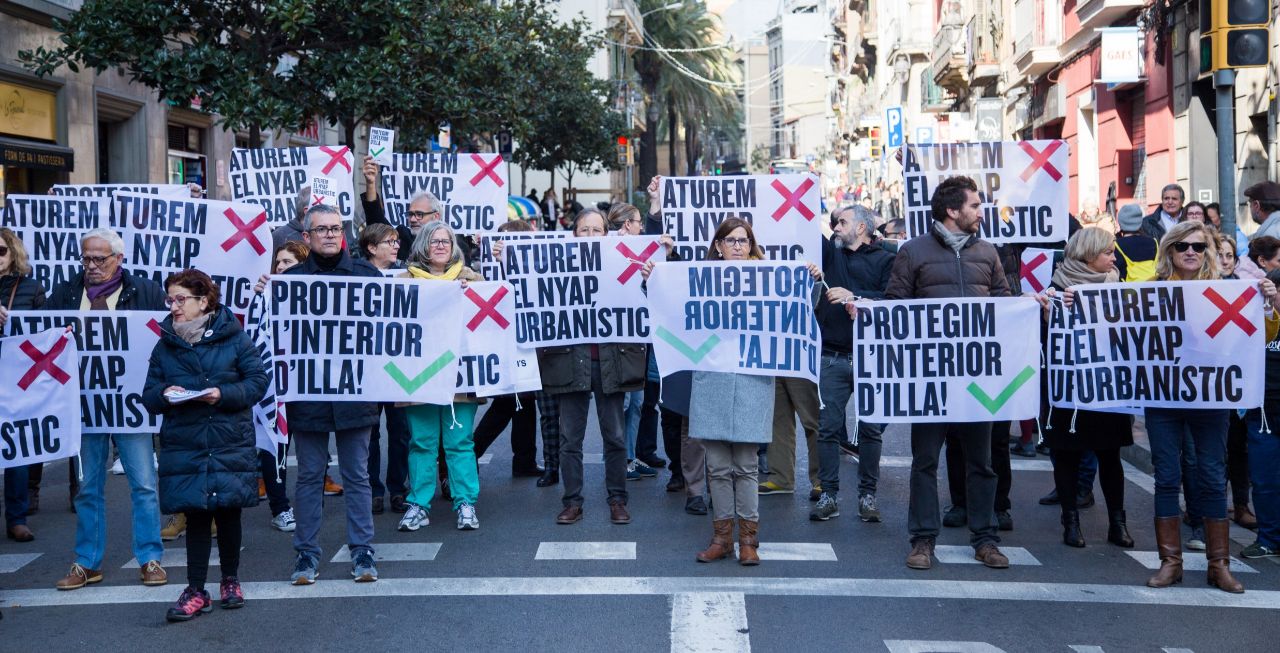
(302, 201)
(113, 239)
(1169, 187)
(421, 252)
(319, 208)
(586, 212)
(867, 217)
(431, 199)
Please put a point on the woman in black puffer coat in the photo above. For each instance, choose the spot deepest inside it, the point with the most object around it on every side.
(208, 459)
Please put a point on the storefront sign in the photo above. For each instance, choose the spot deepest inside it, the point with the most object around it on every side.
(1121, 55)
(28, 112)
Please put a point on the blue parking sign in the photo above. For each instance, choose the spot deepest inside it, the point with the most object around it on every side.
(893, 126)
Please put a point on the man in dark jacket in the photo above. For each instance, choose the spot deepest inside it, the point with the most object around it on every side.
(1172, 197)
(105, 286)
(951, 261)
(311, 422)
(853, 265)
(423, 208)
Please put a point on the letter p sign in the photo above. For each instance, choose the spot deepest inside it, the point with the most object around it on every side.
(893, 126)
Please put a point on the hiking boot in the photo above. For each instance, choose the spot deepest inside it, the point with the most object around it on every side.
(362, 567)
(231, 592)
(1243, 516)
(191, 603)
(174, 528)
(284, 522)
(721, 542)
(570, 515)
(956, 517)
(989, 555)
(79, 577)
(826, 508)
(467, 520)
(618, 513)
(748, 543)
(867, 510)
(153, 574)
(414, 518)
(305, 570)
(331, 488)
(921, 556)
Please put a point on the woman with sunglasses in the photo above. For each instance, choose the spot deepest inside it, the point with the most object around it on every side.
(18, 292)
(1189, 252)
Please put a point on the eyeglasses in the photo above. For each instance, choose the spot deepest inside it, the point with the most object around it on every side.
(633, 221)
(422, 215)
(737, 242)
(1181, 246)
(96, 261)
(894, 234)
(394, 242)
(4, 251)
(326, 231)
(179, 300)
(440, 242)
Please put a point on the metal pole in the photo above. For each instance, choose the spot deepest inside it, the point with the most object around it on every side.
(1224, 84)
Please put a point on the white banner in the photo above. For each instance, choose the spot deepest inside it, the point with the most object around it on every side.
(270, 428)
(109, 190)
(580, 290)
(382, 144)
(491, 267)
(748, 317)
(229, 242)
(1186, 344)
(1023, 186)
(491, 364)
(271, 178)
(785, 212)
(365, 339)
(115, 354)
(50, 227)
(471, 187)
(1037, 269)
(947, 360)
(39, 397)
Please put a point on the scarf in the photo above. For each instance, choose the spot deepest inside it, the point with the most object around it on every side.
(1073, 273)
(327, 263)
(449, 275)
(192, 330)
(955, 241)
(98, 293)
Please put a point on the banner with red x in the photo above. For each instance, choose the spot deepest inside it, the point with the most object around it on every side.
(39, 396)
(635, 262)
(492, 363)
(472, 188)
(1036, 270)
(487, 308)
(272, 178)
(1230, 311)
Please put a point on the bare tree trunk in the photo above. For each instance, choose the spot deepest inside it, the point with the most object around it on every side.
(255, 136)
(690, 147)
(672, 128)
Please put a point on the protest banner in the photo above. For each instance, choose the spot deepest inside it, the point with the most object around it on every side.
(1037, 268)
(39, 398)
(1023, 186)
(50, 227)
(110, 190)
(491, 364)
(269, 425)
(382, 144)
(946, 360)
(580, 290)
(271, 178)
(472, 188)
(231, 242)
(489, 266)
(115, 352)
(365, 339)
(1185, 344)
(748, 317)
(785, 212)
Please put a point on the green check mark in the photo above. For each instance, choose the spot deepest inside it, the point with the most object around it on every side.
(679, 345)
(377, 151)
(994, 405)
(411, 385)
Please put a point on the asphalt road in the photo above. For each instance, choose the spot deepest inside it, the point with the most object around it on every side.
(839, 585)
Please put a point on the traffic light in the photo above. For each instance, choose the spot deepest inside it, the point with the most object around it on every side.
(874, 134)
(1233, 34)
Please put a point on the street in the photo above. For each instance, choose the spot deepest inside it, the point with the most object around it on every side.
(522, 582)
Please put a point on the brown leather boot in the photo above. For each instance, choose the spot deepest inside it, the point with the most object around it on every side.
(721, 541)
(1244, 517)
(748, 542)
(1217, 550)
(1169, 545)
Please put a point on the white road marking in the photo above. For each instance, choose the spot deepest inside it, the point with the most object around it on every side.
(11, 562)
(586, 551)
(178, 558)
(795, 551)
(922, 646)
(709, 623)
(485, 459)
(963, 555)
(1082, 648)
(1130, 594)
(1017, 465)
(1191, 561)
(397, 552)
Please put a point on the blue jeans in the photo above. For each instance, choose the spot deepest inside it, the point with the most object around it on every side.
(1264, 472)
(1167, 431)
(136, 454)
(16, 499)
(836, 386)
(631, 415)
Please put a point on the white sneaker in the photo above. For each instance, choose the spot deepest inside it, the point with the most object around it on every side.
(117, 468)
(467, 520)
(284, 522)
(414, 518)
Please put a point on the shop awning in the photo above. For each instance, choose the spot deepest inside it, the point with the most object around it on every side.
(33, 154)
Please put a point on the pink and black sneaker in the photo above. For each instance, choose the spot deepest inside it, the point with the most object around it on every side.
(232, 594)
(191, 603)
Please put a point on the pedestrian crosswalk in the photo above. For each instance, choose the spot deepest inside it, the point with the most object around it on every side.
(396, 552)
(1190, 562)
(177, 558)
(586, 551)
(963, 555)
(11, 562)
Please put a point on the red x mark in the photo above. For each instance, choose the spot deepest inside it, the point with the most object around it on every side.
(244, 231)
(1040, 159)
(1230, 312)
(44, 362)
(488, 308)
(1028, 271)
(792, 200)
(637, 260)
(486, 169)
(317, 199)
(154, 326)
(336, 157)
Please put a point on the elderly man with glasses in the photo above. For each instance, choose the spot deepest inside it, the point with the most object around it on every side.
(104, 285)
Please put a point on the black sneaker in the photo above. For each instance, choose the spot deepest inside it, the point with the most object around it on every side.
(1004, 520)
(825, 509)
(695, 506)
(849, 449)
(956, 517)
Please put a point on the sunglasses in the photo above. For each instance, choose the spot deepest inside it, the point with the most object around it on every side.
(4, 251)
(1198, 248)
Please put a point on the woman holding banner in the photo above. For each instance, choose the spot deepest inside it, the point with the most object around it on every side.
(1188, 252)
(208, 456)
(1090, 257)
(18, 292)
(435, 256)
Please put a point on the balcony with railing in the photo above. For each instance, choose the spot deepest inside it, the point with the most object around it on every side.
(934, 98)
(1101, 13)
(1037, 35)
(984, 61)
(949, 65)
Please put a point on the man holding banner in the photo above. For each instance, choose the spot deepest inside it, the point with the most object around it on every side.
(104, 285)
(951, 261)
(423, 208)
